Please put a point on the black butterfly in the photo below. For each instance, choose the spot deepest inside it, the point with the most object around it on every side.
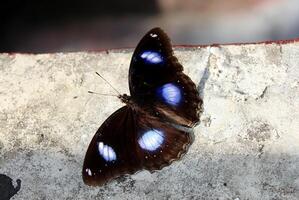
(154, 128)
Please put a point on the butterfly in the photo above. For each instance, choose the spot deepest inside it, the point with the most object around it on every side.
(155, 127)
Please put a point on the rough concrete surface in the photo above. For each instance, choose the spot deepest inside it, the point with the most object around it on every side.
(246, 147)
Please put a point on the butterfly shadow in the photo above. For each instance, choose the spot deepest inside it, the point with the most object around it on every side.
(202, 83)
(7, 190)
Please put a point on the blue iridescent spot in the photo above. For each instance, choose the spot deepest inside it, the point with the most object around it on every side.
(152, 57)
(151, 140)
(106, 152)
(170, 93)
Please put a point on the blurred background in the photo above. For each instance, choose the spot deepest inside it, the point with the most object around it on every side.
(34, 26)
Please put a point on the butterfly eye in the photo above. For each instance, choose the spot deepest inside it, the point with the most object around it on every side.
(151, 140)
(170, 93)
(151, 57)
(106, 152)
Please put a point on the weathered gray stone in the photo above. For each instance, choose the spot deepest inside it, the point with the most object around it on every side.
(246, 147)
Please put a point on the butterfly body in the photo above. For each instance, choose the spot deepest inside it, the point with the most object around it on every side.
(154, 128)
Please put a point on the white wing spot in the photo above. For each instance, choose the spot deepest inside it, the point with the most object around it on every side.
(170, 93)
(151, 140)
(88, 171)
(106, 152)
(152, 57)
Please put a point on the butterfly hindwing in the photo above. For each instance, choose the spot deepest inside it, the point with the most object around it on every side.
(159, 143)
(158, 84)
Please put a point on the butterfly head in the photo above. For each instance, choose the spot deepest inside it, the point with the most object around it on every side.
(125, 98)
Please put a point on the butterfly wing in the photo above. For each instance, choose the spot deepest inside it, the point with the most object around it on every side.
(157, 82)
(111, 152)
(158, 144)
(129, 141)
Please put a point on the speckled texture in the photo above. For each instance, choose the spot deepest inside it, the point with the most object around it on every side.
(246, 147)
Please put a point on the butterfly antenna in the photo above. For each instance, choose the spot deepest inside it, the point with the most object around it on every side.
(91, 92)
(108, 83)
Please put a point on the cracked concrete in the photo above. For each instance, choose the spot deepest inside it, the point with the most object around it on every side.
(246, 146)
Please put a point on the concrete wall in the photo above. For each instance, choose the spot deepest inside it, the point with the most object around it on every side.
(246, 147)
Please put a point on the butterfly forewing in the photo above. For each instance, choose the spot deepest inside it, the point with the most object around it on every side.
(158, 84)
(112, 150)
(152, 63)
